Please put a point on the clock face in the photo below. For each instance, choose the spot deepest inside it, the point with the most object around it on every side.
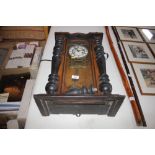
(78, 51)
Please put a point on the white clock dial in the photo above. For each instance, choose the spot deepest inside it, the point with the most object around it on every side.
(78, 51)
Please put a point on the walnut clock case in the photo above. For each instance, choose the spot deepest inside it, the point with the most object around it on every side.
(78, 83)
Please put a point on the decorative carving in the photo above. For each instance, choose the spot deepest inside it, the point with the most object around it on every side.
(78, 36)
(105, 85)
(82, 91)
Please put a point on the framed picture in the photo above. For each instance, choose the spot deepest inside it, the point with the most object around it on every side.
(4, 56)
(152, 46)
(148, 35)
(146, 27)
(138, 52)
(145, 76)
(129, 34)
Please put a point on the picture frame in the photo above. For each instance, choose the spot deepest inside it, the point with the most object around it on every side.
(137, 52)
(129, 34)
(145, 77)
(5, 53)
(148, 35)
(146, 27)
(152, 46)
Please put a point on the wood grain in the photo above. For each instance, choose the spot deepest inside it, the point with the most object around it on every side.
(126, 84)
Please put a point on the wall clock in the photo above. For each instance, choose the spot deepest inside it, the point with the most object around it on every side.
(78, 83)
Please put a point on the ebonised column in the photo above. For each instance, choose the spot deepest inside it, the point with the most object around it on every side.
(52, 85)
(105, 87)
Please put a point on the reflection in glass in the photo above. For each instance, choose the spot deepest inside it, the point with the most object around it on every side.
(148, 33)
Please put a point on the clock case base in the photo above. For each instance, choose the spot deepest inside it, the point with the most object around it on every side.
(101, 105)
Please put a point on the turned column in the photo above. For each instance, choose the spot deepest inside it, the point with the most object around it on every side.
(105, 87)
(52, 85)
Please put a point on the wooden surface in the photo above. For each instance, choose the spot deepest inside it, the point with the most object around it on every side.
(24, 32)
(126, 84)
(84, 69)
(77, 105)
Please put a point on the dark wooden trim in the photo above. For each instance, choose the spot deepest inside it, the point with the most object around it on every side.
(127, 80)
(107, 104)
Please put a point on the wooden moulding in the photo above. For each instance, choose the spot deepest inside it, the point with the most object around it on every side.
(24, 32)
(108, 104)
